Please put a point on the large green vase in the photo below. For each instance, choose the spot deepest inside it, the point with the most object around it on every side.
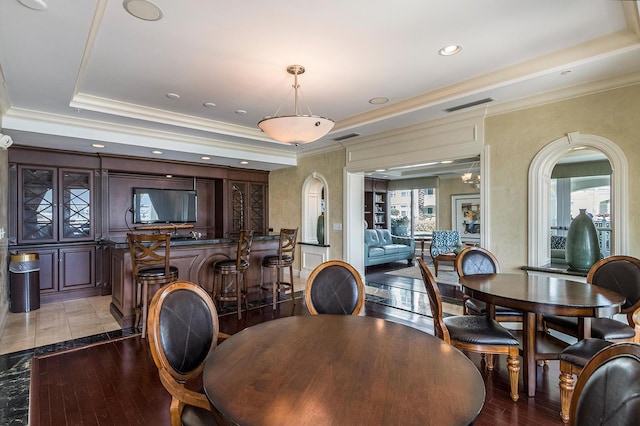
(583, 249)
(320, 229)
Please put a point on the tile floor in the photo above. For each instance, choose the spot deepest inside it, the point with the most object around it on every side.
(57, 322)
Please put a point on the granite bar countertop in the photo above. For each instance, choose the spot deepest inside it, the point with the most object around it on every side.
(187, 240)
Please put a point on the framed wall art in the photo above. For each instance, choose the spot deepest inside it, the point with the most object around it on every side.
(465, 210)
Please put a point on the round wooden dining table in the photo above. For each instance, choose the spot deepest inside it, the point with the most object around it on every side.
(341, 370)
(541, 294)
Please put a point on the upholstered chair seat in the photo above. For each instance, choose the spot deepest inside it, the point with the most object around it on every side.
(230, 265)
(156, 273)
(479, 330)
(572, 360)
(601, 328)
(273, 260)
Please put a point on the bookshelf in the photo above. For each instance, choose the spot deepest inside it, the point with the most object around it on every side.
(376, 203)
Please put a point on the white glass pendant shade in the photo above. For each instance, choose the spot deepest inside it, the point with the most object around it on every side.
(296, 128)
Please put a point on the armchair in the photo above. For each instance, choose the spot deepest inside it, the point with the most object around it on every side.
(445, 246)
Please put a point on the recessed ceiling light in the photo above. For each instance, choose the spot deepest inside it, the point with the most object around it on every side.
(244, 162)
(381, 170)
(143, 9)
(204, 157)
(446, 162)
(155, 151)
(209, 104)
(34, 4)
(378, 100)
(97, 145)
(452, 49)
(241, 111)
(173, 96)
(169, 176)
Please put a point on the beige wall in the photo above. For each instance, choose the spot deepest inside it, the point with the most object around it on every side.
(446, 188)
(285, 195)
(515, 138)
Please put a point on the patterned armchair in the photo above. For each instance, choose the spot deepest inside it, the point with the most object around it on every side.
(443, 242)
(445, 246)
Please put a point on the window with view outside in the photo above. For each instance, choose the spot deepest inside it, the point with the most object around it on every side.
(569, 195)
(413, 212)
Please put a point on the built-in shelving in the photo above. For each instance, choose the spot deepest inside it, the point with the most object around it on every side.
(376, 209)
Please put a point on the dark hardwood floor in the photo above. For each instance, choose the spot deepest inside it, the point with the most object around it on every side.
(117, 384)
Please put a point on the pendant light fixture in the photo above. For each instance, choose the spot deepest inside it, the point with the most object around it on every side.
(471, 178)
(296, 128)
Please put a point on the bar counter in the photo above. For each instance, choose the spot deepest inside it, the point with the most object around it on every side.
(194, 259)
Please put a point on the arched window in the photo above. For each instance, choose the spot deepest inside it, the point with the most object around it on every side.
(540, 172)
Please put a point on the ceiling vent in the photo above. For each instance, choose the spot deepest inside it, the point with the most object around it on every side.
(470, 104)
(347, 136)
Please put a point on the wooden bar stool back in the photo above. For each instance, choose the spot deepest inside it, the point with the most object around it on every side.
(284, 259)
(150, 254)
(236, 268)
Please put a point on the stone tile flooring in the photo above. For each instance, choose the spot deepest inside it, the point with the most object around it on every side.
(57, 322)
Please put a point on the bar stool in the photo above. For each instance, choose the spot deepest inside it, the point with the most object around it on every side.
(284, 259)
(149, 266)
(237, 269)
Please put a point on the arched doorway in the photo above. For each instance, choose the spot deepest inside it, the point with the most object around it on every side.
(315, 208)
(539, 193)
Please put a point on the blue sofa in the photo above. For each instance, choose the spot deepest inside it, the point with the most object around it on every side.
(382, 247)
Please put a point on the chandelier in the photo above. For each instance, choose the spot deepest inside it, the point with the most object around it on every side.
(296, 128)
(471, 178)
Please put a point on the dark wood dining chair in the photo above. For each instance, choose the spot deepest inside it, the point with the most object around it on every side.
(471, 333)
(622, 275)
(150, 257)
(278, 262)
(477, 260)
(608, 390)
(183, 331)
(236, 268)
(335, 287)
(572, 360)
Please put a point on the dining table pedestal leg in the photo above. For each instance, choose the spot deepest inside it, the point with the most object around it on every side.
(529, 352)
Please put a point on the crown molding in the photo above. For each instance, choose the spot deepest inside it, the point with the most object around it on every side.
(138, 112)
(564, 94)
(74, 127)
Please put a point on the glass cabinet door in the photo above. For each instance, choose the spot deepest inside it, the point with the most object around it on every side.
(55, 205)
(38, 213)
(76, 187)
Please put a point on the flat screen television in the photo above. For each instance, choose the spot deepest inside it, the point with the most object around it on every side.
(153, 205)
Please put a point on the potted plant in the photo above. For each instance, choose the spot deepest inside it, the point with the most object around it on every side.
(400, 226)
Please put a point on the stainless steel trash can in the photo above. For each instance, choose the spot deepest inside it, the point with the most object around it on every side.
(24, 274)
